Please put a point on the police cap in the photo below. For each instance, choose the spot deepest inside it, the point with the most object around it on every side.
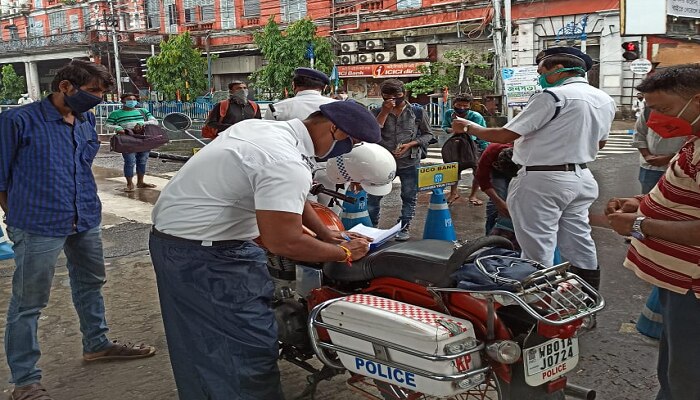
(353, 119)
(312, 74)
(567, 52)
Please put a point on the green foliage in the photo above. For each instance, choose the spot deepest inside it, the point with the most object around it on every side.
(286, 50)
(12, 85)
(439, 75)
(179, 66)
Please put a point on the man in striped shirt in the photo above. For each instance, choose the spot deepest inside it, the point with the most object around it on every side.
(131, 116)
(49, 196)
(665, 225)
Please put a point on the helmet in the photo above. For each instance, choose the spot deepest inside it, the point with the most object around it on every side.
(368, 164)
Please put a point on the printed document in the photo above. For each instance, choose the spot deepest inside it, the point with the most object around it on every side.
(379, 236)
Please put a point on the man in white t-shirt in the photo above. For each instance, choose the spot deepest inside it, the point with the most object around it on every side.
(214, 286)
(308, 84)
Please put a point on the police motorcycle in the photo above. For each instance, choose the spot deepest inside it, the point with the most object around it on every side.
(399, 324)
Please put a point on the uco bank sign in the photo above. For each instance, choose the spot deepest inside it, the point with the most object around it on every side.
(381, 70)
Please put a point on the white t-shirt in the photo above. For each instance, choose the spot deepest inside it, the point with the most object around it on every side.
(253, 165)
(585, 118)
(303, 104)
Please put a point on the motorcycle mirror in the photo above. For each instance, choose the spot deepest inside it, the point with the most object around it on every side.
(176, 121)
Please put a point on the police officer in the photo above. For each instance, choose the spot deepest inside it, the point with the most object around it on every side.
(215, 290)
(307, 84)
(556, 135)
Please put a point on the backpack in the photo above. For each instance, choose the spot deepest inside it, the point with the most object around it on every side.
(461, 149)
(209, 132)
(418, 112)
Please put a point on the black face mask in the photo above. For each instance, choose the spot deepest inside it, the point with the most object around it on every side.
(461, 111)
(81, 101)
(397, 100)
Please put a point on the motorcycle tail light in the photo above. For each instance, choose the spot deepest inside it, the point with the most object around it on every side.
(556, 385)
(558, 331)
(504, 351)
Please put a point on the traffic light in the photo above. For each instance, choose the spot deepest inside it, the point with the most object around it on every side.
(144, 67)
(632, 51)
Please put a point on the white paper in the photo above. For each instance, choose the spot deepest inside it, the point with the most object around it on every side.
(379, 236)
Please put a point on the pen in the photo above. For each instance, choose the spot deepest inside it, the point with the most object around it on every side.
(345, 236)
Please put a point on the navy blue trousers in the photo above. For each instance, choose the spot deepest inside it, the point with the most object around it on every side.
(221, 331)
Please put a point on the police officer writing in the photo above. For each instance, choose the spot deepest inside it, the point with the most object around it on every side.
(215, 290)
(555, 136)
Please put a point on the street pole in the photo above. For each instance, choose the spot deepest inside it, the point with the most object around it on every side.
(509, 46)
(117, 63)
(498, 49)
(206, 44)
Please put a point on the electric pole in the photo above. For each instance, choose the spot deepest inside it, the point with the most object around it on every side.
(117, 63)
(498, 49)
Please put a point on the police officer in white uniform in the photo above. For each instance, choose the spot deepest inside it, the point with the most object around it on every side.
(556, 135)
(307, 84)
(214, 287)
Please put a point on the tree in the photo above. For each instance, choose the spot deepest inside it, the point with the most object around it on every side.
(179, 67)
(286, 50)
(439, 75)
(12, 86)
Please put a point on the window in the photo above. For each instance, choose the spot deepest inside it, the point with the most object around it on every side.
(38, 4)
(199, 10)
(406, 4)
(152, 14)
(74, 22)
(228, 16)
(36, 27)
(57, 22)
(251, 8)
(171, 19)
(293, 10)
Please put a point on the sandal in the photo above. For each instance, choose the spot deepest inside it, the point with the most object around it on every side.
(450, 201)
(121, 351)
(476, 202)
(30, 392)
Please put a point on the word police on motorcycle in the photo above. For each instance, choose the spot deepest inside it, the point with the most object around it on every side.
(381, 370)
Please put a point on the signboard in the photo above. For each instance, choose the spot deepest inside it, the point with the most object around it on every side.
(683, 8)
(643, 17)
(640, 66)
(520, 83)
(437, 176)
(381, 70)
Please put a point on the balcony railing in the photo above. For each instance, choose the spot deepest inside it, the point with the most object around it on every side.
(43, 42)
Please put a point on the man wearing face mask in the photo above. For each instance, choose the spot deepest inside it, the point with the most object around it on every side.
(555, 136)
(238, 108)
(49, 196)
(308, 84)
(665, 229)
(214, 287)
(131, 116)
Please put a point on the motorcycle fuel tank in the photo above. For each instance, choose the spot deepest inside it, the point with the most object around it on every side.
(405, 345)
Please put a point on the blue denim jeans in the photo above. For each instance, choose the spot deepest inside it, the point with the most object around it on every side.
(409, 193)
(221, 330)
(500, 185)
(649, 178)
(138, 159)
(35, 260)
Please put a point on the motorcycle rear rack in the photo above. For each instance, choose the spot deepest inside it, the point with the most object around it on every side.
(551, 295)
(319, 346)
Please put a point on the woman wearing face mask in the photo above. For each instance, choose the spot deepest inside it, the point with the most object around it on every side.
(130, 116)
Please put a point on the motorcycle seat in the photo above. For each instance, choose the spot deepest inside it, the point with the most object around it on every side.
(422, 261)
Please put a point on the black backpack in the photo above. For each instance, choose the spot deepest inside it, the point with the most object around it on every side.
(461, 149)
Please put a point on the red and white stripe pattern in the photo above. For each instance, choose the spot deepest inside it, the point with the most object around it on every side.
(415, 313)
(666, 264)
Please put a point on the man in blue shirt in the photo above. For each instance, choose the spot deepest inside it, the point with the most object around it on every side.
(462, 109)
(49, 197)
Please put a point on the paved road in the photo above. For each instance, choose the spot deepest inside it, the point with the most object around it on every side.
(615, 360)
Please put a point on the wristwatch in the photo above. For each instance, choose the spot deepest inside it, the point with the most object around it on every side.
(637, 229)
(466, 128)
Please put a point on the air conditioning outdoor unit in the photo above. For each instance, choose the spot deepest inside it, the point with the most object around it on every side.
(383, 56)
(346, 59)
(411, 51)
(348, 47)
(375, 44)
(366, 58)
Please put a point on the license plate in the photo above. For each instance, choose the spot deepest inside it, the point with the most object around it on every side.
(550, 360)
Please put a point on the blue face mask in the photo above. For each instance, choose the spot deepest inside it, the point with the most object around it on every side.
(81, 101)
(542, 79)
(338, 148)
(131, 103)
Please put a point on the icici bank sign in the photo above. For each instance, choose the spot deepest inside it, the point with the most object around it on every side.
(381, 70)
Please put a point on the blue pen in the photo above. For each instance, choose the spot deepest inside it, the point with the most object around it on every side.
(345, 236)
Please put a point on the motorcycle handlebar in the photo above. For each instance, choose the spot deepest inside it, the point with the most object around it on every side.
(318, 189)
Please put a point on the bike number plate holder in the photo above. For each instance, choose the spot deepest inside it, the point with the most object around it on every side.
(550, 360)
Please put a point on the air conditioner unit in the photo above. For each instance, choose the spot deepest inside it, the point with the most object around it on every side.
(348, 47)
(346, 59)
(383, 56)
(366, 58)
(411, 51)
(375, 44)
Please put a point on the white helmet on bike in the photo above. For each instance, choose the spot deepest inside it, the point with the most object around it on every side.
(368, 164)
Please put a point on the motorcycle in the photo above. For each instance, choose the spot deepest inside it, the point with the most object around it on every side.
(396, 322)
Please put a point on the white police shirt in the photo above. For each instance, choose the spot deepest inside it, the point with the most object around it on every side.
(253, 165)
(584, 119)
(303, 104)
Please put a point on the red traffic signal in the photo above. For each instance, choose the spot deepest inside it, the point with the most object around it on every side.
(632, 51)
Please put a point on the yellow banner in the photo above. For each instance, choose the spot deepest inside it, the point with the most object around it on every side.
(435, 176)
